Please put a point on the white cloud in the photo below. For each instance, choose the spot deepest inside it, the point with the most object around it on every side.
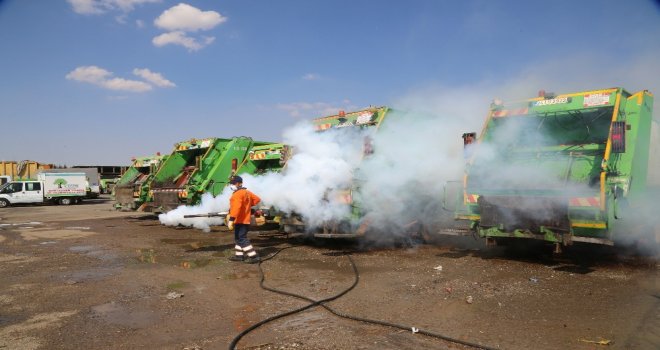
(89, 74)
(184, 17)
(86, 7)
(180, 38)
(103, 78)
(311, 76)
(94, 7)
(129, 5)
(122, 84)
(153, 77)
(315, 109)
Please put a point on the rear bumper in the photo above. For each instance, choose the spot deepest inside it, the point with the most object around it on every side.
(554, 219)
(166, 199)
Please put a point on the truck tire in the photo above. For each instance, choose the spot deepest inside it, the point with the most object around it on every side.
(66, 201)
(4, 203)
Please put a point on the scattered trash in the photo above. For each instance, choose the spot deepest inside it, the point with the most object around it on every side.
(23, 223)
(70, 282)
(193, 347)
(448, 289)
(174, 295)
(438, 268)
(469, 299)
(599, 342)
(77, 228)
(534, 280)
(415, 330)
(47, 242)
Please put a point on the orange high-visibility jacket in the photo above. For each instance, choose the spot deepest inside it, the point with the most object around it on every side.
(240, 203)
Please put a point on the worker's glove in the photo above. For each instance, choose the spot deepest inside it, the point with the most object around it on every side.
(230, 223)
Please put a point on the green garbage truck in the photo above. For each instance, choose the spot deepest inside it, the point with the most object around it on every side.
(264, 158)
(131, 191)
(370, 118)
(561, 168)
(198, 166)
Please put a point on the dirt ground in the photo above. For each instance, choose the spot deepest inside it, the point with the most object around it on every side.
(88, 277)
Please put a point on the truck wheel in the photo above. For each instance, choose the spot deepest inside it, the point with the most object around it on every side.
(66, 201)
(4, 203)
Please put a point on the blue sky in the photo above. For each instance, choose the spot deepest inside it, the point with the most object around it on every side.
(100, 81)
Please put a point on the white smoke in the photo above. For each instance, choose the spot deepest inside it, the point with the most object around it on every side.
(418, 149)
(322, 165)
(415, 154)
(209, 204)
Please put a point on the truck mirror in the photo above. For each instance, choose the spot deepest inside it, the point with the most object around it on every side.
(618, 137)
(468, 139)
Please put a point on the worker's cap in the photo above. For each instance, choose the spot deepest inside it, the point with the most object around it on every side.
(236, 180)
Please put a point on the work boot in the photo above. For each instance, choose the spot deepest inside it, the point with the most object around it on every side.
(238, 254)
(252, 259)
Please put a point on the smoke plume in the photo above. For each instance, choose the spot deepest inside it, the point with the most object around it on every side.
(320, 168)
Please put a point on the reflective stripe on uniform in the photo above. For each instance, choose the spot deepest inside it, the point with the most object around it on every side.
(245, 249)
(251, 253)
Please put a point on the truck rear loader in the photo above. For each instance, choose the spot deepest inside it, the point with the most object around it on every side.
(370, 118)
(196, 167)
(561, 169)
(132, 189)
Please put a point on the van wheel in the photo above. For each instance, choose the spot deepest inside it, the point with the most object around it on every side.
(4, 203)
(66, 201)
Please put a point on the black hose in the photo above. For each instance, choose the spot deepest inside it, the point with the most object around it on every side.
(314, 303)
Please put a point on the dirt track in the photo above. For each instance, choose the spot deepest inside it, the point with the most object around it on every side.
(88, 277)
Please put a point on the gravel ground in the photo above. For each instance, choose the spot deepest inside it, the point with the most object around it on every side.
(86, 276)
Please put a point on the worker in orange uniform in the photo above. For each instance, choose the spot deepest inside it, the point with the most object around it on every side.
(240, 206)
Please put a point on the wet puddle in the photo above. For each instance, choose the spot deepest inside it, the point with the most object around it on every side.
(89, 275)
(150, 256)
(240, 275)
(81, 248)
(5, 320)
(116, 314)
(190, 243)
(94, 252)
(194, 264)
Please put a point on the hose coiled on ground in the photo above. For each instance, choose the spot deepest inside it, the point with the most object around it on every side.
(321, 302)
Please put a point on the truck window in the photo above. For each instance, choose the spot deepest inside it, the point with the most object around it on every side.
(13, 187)
(33, 186)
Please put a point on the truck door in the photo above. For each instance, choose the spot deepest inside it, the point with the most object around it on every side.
(14, 192)
(33, 192)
